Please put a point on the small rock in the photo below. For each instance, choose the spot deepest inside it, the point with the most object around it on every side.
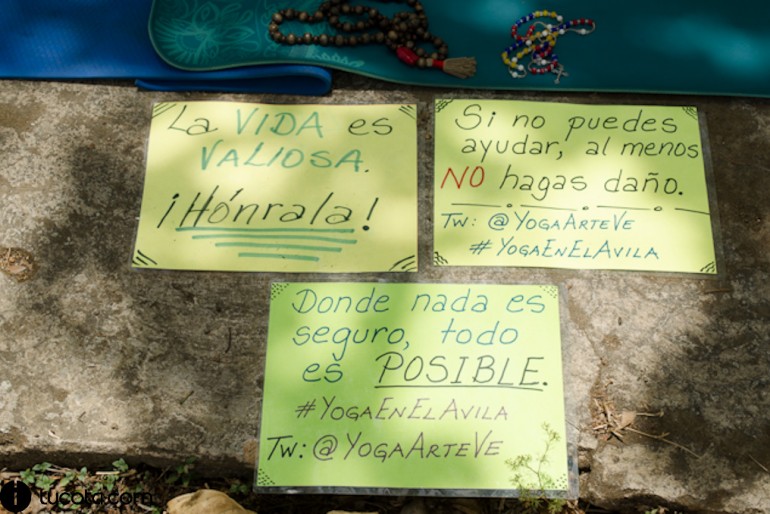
(17, 263)
(205, 501)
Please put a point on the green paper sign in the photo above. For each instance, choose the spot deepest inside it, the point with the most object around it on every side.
(303, 188)
(571, 186)
(413, 386)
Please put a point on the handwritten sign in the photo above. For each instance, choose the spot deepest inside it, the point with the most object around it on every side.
(571, 186)
(419, 386)
(254, 187)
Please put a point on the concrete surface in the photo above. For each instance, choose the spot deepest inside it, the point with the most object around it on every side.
(98, 361)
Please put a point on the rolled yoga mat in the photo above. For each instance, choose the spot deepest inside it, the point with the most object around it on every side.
(105, 39)
(656, 46)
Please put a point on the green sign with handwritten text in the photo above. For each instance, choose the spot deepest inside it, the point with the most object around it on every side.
(255, 187)
(413, 386)
(571, 186)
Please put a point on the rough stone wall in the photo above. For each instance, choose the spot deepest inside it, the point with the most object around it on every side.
(97, 360)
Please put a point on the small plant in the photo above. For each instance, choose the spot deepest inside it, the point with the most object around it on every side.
(181, 474)
(37, 476)
(533, 482)
(239, 488)
(120, 465)
(68, 489)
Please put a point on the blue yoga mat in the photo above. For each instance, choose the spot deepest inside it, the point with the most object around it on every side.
(105, 39)
(657, 46)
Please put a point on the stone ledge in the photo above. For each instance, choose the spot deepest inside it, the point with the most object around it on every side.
(99, 361)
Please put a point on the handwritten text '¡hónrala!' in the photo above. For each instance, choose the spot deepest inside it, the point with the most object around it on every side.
(232, 209)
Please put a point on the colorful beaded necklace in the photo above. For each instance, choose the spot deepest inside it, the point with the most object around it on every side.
(404, 33)
(539, 41)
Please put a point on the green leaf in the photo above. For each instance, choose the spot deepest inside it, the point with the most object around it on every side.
(42, 467)
(44, 482)
(120, 465)
(239, 488)
(27, 476)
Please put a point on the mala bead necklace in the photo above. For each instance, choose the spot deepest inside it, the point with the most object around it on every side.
(539, 42)
(405, 33)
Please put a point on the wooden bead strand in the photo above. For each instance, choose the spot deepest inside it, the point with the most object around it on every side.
(406, 33)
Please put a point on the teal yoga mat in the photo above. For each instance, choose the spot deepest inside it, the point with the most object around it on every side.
(658, 46)
(106, 39)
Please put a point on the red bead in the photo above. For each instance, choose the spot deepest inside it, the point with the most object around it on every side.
(407, 55)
